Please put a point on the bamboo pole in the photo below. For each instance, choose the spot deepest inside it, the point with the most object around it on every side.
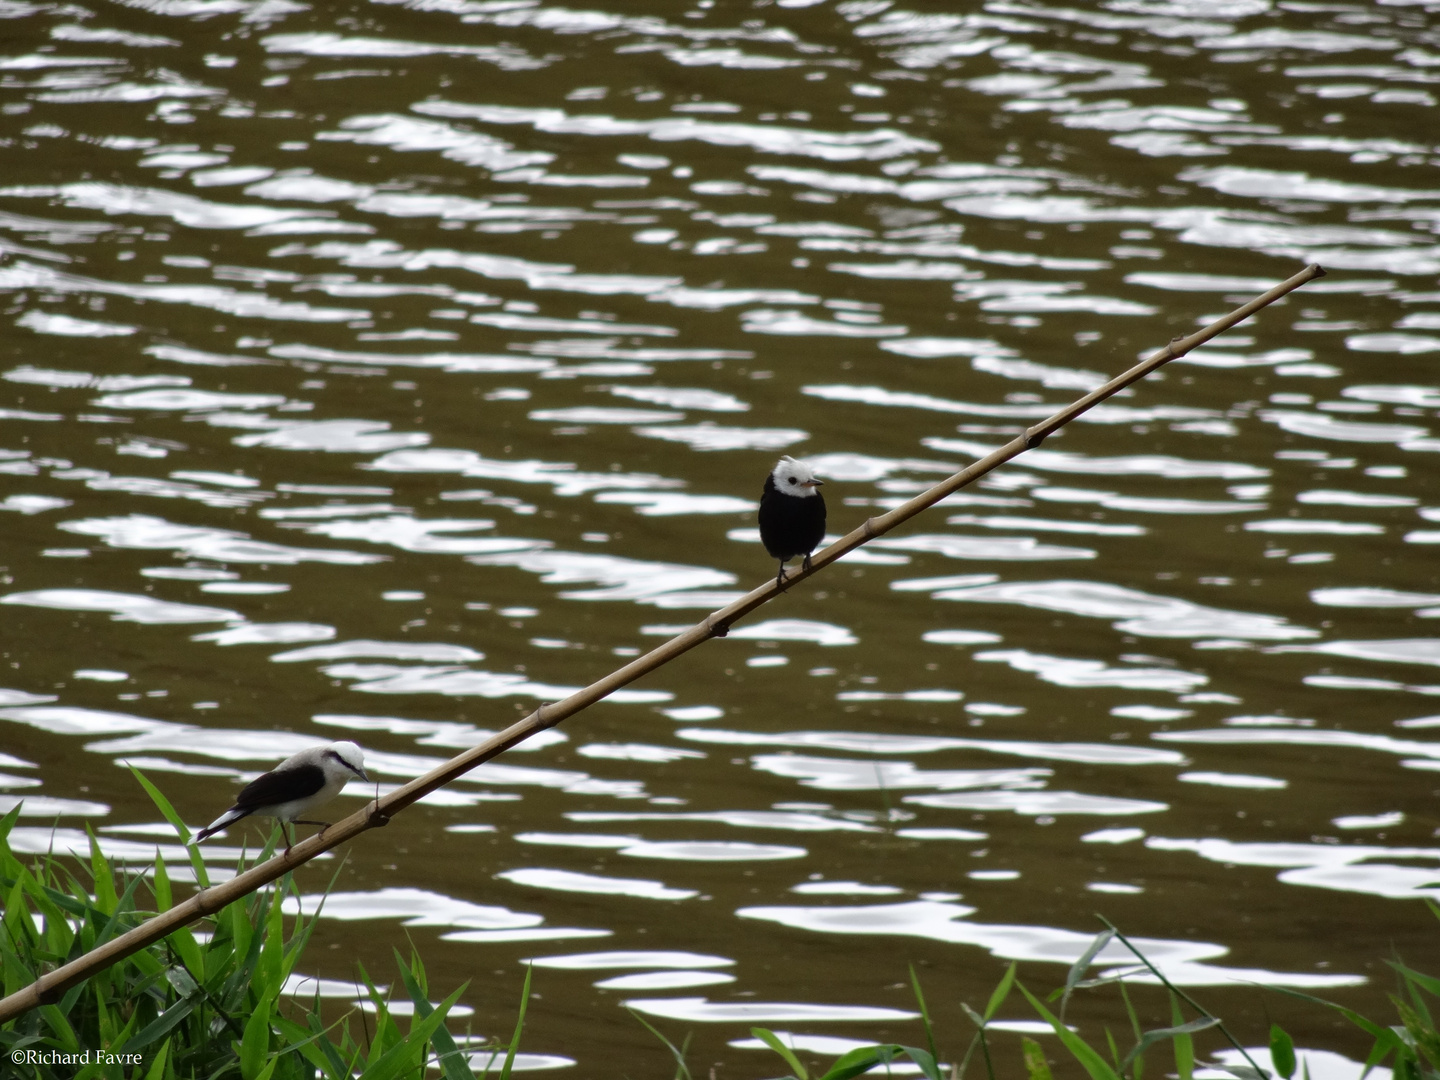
(48, 988)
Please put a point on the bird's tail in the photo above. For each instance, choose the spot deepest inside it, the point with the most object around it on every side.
(225, 820)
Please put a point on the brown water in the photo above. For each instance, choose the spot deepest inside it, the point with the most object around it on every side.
(379, 371)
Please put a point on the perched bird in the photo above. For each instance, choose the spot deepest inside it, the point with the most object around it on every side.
(296, 786)
(792, 513)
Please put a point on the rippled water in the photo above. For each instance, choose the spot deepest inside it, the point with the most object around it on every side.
(379, 371)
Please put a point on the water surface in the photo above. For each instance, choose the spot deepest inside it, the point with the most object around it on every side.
(380, 371)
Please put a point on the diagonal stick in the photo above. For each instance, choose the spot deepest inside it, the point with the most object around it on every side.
(48, 988)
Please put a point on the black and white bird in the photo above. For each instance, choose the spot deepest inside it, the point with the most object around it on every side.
(792, 513)
(298, 785)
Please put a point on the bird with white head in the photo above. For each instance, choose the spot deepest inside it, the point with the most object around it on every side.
(298, 785)
(792, 513)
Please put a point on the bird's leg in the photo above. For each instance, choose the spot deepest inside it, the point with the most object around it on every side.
(780, 576)
(286, 834)
(805, 563)
(323, 824)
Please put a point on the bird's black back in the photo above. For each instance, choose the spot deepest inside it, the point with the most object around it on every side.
(790, 525)
(280, 786)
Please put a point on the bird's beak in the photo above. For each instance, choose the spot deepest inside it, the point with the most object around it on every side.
(813, 483)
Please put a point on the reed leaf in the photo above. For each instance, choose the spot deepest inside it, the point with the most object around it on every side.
(1000, 993)
(450, 1056)
(1150, 1038)
(1282, 1052)
(255, 1044)
(409, 1051)
(1079, 1049)
(520, 1026)
(861, 1060)
(1033, 1055)
(770, 1039)
(924, 1013)
(1184, 1044)
(167, 811)
(1077, 970)
(682, 1071)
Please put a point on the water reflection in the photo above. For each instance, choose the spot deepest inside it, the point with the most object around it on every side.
(1182, 962)
(356, 317)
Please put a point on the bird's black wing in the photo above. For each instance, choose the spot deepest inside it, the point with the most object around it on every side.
(280, 786)
(791, 525)
(815, 516)
(772, 520)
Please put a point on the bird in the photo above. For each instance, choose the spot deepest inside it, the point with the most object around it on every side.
(792, 513)
(296, 786)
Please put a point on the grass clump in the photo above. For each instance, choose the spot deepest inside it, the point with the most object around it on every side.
(198, 1005)
(1410, 1047)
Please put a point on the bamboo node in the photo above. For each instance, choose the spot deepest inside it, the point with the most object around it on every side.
(720, 629)
(1034, 438)
(378, 818)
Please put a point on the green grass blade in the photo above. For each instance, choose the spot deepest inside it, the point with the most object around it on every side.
(163, 1024)
(1150, 1038)
(1428, 983)
(958, 1072)
(770, 1039)
(308, 1045)
(18, 924)
(160, 885)
(1033, 1055)
(452, 1060)
(408, 1053)
(1000, 993)
(255, 1044)
(1079, 1049)
(267, 972)
(1114, 1049)
(1135, 1058)
(682, 1071)
(1236, 1043)
(924, 1013)
(116, 924)
(387, 1032)
(162, 1059)
(1184, 1044)
(202, 876)
(1282, 1051)
(1374, 1030)
(519, 1025)
(861, 1060)
(1082, 965)
(103, 877)
(7, 823)
(60, 1025)
(926, 1060)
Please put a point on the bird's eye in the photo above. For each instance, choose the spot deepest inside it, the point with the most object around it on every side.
(792, 479)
